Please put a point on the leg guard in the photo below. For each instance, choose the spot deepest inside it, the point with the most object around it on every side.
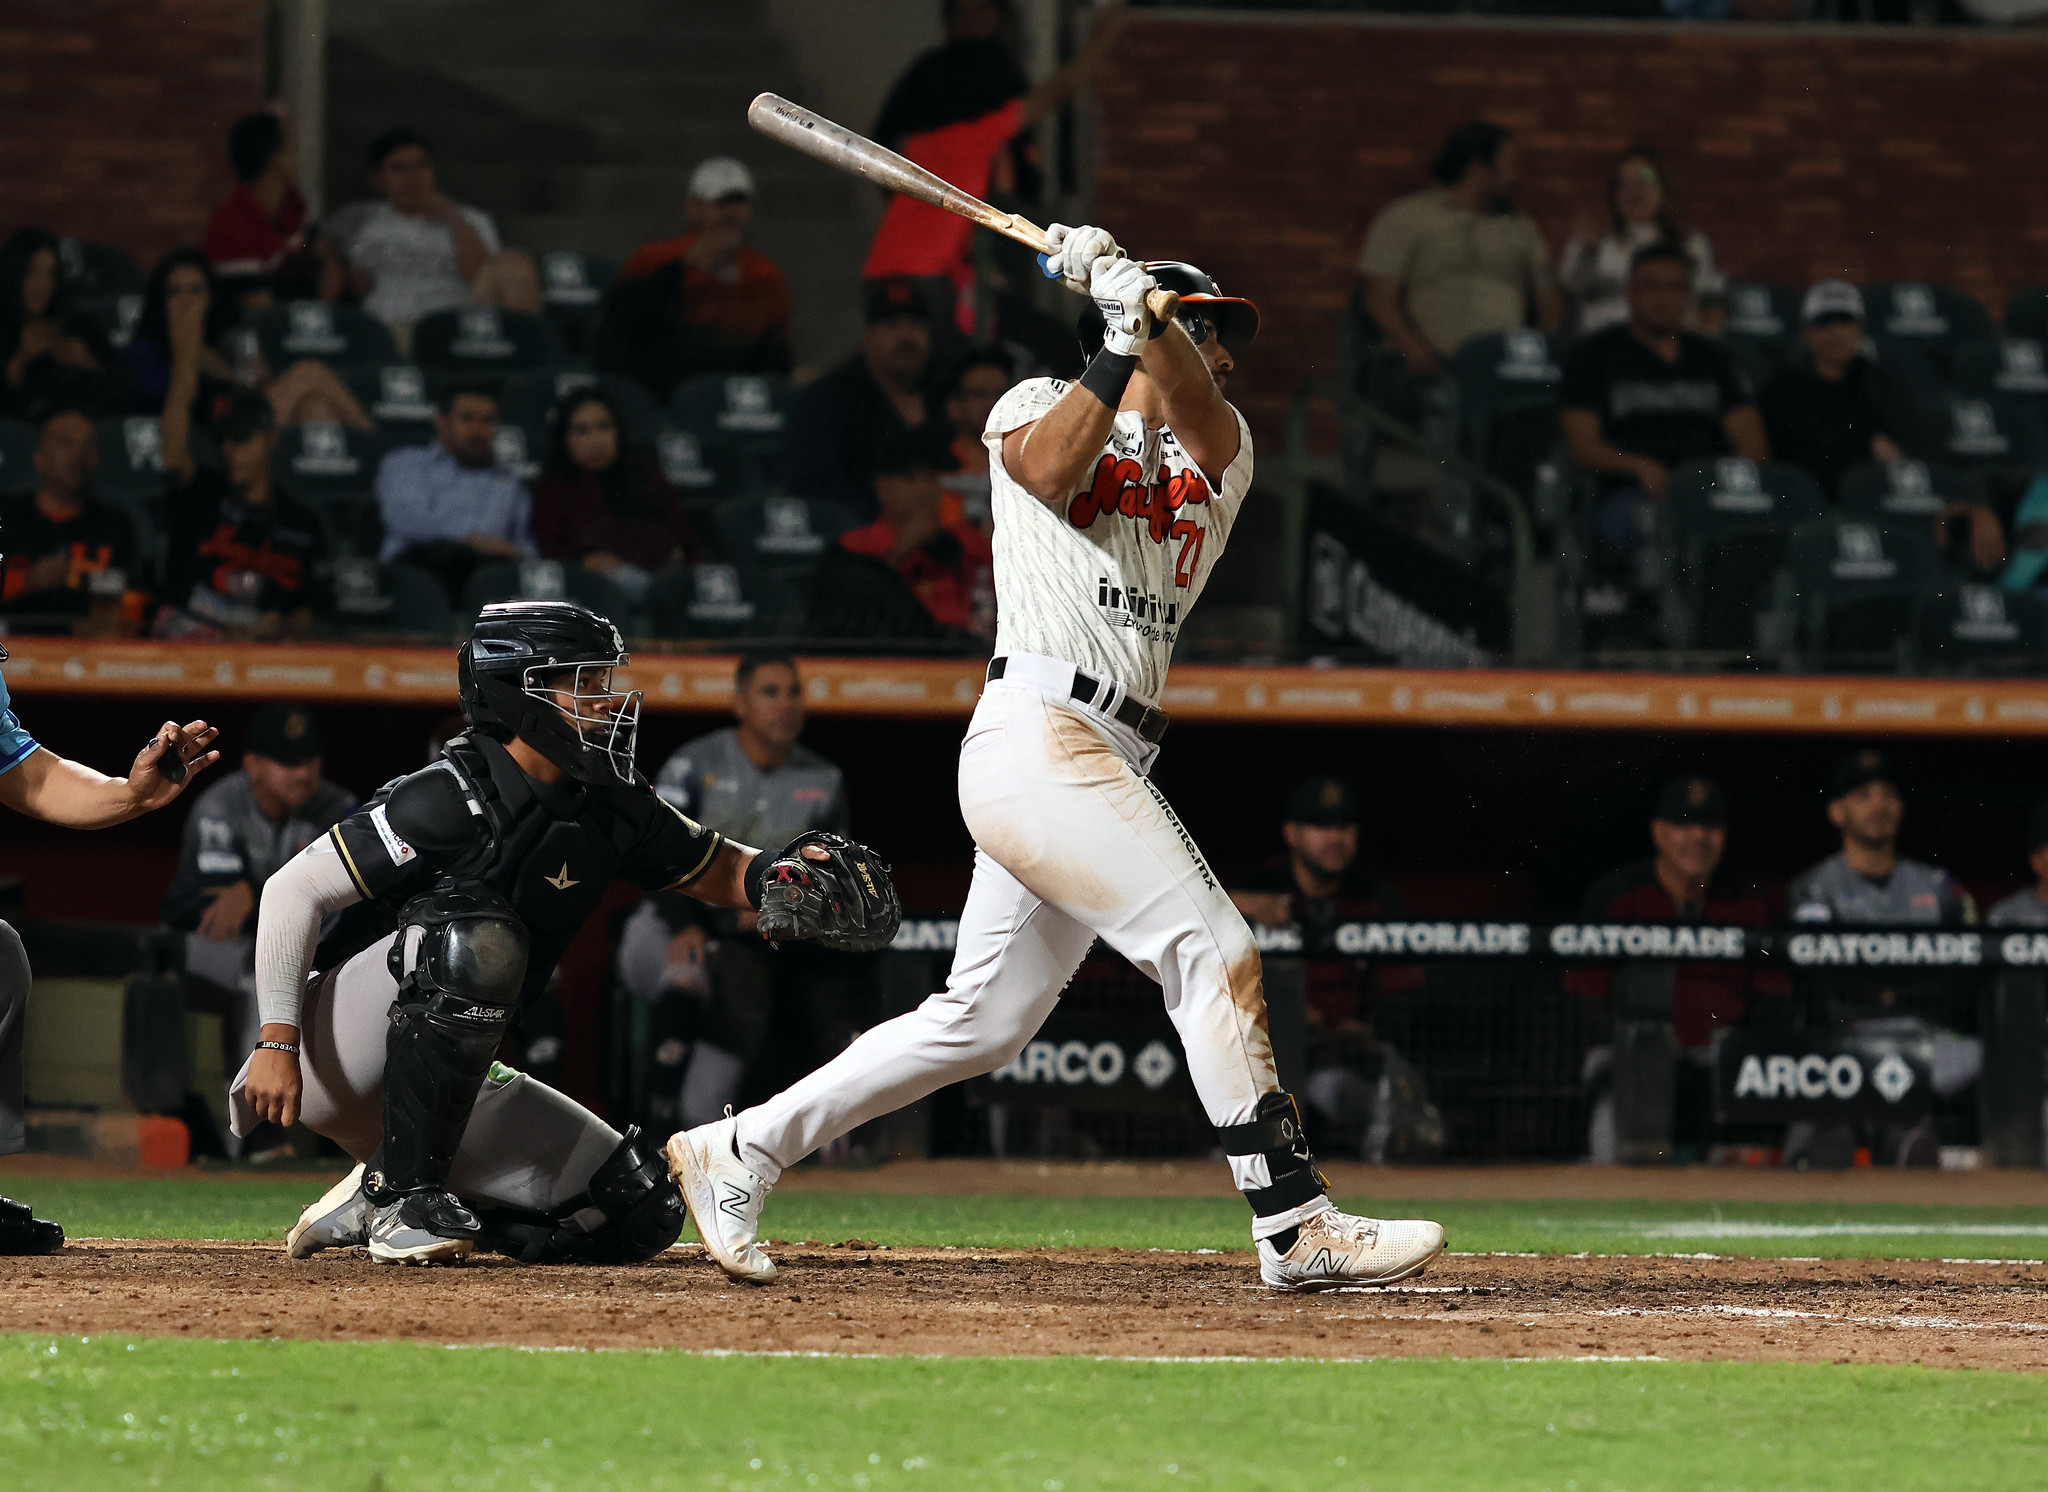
(467, 956)
(631, 1213)
(1295, 1187)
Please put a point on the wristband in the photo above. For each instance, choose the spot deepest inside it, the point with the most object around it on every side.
(757, 877)
(278, 1046)
(1108, 375)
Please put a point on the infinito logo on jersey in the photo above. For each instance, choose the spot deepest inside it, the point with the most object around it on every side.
(1145, 608)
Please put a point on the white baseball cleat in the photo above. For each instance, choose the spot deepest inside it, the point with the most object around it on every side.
(339, 1220)
(1335, 1248)
(723, 1196)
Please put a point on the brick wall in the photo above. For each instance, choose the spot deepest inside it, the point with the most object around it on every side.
(114, 114)
(1261, 149)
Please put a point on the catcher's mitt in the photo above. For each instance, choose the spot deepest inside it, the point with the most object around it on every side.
(844, 901)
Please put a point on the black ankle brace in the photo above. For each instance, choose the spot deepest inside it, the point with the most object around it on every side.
(1275, 1132)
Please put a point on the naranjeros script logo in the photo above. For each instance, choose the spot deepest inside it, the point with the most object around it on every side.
(1119, 490)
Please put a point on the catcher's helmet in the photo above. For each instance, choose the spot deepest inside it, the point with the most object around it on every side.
(1235, 319)
(511, 677)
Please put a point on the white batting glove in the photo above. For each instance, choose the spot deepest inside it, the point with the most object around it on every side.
(1070, 252)
(1119, 287)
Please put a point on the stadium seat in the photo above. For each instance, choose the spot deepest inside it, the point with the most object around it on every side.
(390, 598)
(339, 335)
(1912, 362)
(131, 457)
(116, 314)
(1906, 489)
(398, 397)
(323, 460)
(780, 533)
(573, 287)
(2010, 367)
(1508, 386)
(1982, 629)
(2026, 313)
(722, 601)
(702, 469)
(1938, 317)
(94, 268)
(529, 399)
(1763, 320)
(1848, 589)
(520, 449)
(1993, 434)
(18, 441)
(1730, 522)
(747, 411)
(482, 339)
(545, 580)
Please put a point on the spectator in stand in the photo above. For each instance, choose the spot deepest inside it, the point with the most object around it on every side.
(840, 423)
(2028, 907)
(707, 302)
(1638, 400)
(263, 221)
(1868, 883)
(1316, 886)
(977, 382)
(59, 540)
(416, 252)
(241, 557)
(1641, 210)
(240, 833)
(949, 567)
(54, 356)
(1458, 260)
(1835, 409)
(1653, 1078)
(958, 112)
(448, 506)
(307, 390)
(712, 982)
(601, 504)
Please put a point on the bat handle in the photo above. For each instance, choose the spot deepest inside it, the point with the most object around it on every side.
(1163, 304)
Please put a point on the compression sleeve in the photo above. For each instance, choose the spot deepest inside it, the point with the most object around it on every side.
(296, 901)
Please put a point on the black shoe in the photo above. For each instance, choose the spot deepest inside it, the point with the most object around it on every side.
(422, 1227)
(22, 1232)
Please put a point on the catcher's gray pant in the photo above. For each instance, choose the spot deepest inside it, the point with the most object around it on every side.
(1073, 842)
(14, 983)
(527, 1146)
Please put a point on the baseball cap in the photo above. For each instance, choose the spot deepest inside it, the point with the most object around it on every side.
(1858, 768)
(1323, 801)
(1692, 800)
(1831, 298)
(721, 177)
(240, 414)
(286, 733)
(885, 297)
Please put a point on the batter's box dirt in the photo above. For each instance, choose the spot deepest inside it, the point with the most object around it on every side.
(1106, 1302)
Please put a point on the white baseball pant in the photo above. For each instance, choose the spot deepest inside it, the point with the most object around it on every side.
(527, 1146)
(1073, 842)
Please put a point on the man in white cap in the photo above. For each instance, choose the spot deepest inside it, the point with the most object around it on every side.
(705, 302)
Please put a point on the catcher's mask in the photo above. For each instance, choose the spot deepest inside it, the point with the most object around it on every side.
(1204, 311)
(542, 671)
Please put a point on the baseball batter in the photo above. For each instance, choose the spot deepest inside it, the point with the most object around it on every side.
(1113, 498)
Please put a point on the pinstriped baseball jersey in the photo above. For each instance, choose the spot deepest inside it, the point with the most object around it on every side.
(1105, 579)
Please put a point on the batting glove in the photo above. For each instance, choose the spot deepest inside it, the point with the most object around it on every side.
(1118, 288)
(1071, 251)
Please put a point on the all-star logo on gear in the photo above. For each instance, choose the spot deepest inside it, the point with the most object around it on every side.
(560, 879)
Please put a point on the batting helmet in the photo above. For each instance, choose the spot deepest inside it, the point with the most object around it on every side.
(1234, 319)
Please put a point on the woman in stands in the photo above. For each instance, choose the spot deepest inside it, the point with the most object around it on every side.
(307, 390)
(604, 505)
(1641, 210)
(52, 355)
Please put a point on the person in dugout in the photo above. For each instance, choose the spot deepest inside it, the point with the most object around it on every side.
(1370, 1101)
(1652, 1080)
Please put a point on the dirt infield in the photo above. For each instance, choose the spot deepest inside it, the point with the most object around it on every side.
(854, 1299)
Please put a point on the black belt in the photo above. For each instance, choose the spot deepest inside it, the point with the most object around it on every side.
(1147, 720)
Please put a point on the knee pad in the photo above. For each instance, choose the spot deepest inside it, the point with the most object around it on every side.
(630, 1213)
(460, 959)
(1275, 1132)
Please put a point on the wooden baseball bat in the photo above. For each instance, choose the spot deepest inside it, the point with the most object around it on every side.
(843, 150)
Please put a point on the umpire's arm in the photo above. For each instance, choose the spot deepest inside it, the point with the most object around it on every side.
(59, 791)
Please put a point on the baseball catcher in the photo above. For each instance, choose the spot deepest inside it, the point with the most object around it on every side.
(456, 889)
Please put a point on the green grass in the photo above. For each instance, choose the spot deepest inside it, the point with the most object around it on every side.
(291, 1415)
(263, 1208)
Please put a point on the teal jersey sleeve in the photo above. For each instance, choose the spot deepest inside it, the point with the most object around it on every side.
(16, 744)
